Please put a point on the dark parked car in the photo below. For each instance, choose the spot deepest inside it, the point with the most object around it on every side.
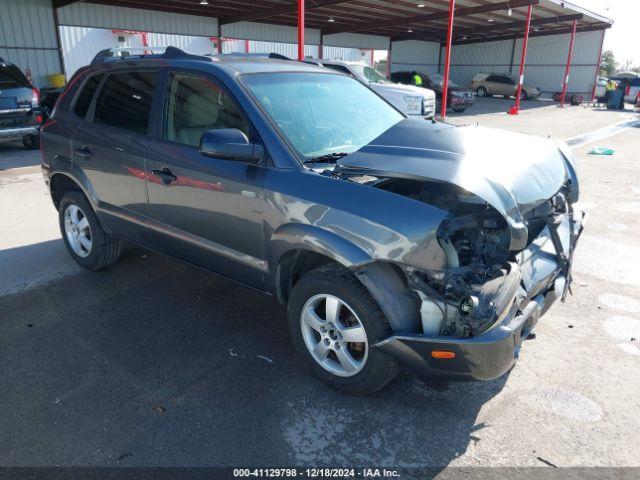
(392, 241)
(20, 115)
(458, 98)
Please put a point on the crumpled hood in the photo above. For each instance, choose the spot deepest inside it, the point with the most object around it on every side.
(512, 172)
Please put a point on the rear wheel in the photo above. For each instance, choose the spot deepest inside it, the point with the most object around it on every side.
(334, 322)
(524, 95)
(88, 244)
(32, 142)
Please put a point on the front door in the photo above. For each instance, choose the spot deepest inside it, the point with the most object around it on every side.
(110, 148)
(205, 210)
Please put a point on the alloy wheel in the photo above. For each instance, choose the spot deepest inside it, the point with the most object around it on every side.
(78, 231)
(334, 335)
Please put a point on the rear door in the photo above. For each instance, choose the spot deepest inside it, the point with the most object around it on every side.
(110, 149)
(207, 211)
(506, 86)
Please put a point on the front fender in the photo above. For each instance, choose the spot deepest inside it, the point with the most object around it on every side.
(384, 281)
(298, 236)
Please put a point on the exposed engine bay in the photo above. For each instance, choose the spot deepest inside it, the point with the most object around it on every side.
(482, 282)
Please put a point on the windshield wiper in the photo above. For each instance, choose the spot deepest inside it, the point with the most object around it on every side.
(327, 158)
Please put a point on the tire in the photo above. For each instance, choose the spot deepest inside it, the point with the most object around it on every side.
(524, 95)
(98, 249)
(459, 110)
(482, 92)
(32, 142)
(358, 308)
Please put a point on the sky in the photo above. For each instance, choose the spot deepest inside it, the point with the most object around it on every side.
(623, 38)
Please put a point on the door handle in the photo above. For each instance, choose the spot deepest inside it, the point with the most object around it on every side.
(84, 152)
(165, 174)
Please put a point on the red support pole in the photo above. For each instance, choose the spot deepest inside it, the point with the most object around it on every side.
(301, 30)
(145, 43)
(523, 58)
(246, 46)
(568, 69)
(447, 64)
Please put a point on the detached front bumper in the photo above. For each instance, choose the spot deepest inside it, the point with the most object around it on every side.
(494, 352)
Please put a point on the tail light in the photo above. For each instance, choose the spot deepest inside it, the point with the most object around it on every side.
(35, 97)
(627, 90)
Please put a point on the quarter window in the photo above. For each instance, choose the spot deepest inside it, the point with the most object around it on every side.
(85, 96)
(125, 101)
(196, 105)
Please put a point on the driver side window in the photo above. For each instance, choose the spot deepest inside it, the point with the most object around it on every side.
(196, 105)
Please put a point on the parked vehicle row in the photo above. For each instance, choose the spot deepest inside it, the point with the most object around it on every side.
(458, 98)
(20, 114)
(410, 100)
(393, 241)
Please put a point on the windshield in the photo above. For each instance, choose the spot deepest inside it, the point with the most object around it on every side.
(369, 74)
(11, 77)
(322, 114)
(438, 79)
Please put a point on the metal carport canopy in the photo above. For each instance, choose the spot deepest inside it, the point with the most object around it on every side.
(475, 20)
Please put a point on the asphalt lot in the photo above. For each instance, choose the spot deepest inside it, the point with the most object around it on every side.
(155, 363)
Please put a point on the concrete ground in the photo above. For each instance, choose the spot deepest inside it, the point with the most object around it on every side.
(154, 363)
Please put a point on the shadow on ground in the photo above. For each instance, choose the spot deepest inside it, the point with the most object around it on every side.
(500, 105)
(155, 363)
(14, 155)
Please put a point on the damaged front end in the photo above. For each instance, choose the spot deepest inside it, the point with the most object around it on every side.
(508, 241)
(488, 298)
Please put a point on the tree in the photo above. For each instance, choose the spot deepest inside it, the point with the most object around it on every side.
(608, 65)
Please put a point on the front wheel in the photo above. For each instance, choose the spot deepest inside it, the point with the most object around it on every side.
(524, 95)
(88, 244)
(334, 322)
(482, 92)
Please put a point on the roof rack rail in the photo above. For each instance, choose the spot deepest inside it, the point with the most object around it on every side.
(170, 52)
(273, 55)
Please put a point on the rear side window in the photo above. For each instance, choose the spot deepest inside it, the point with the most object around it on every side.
(83, 100)
(12, 77)
(125, 99)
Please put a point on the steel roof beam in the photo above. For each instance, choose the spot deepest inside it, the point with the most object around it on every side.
(496, 28)
(63, 3)
(275, 11)
(547, 33)
(428, 17)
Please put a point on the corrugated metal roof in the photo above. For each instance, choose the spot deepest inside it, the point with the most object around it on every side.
(476, 20)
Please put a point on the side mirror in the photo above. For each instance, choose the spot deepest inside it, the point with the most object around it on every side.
(230, 144)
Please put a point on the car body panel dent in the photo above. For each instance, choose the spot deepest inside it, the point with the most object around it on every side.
(373, 225)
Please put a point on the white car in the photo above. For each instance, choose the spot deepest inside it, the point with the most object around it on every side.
(409, 99)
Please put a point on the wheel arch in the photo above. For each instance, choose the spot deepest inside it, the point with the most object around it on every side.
(299, 248)
(61, 183)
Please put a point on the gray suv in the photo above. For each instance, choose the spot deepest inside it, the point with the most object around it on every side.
(393, 241)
